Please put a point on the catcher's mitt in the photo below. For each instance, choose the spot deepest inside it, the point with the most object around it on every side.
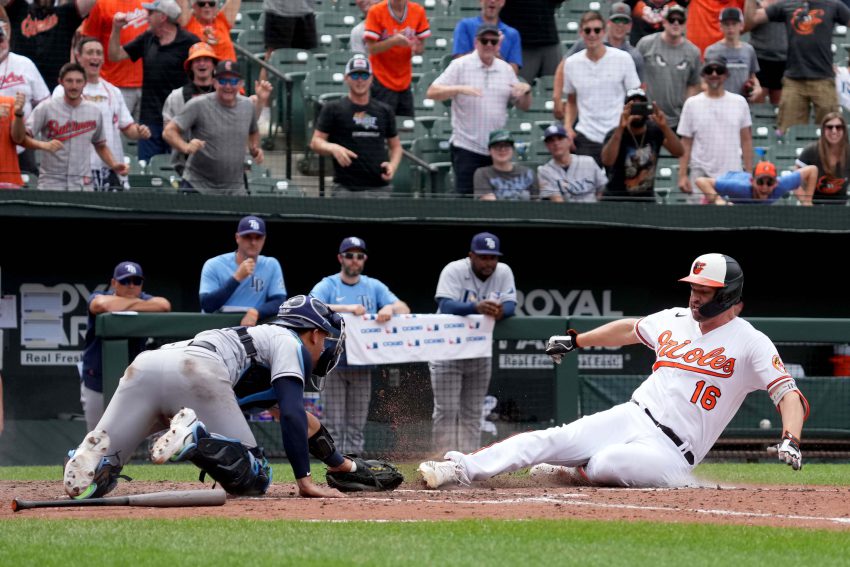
(371, 476)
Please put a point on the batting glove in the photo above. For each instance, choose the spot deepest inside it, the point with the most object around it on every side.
(789, 451)
(559, 345)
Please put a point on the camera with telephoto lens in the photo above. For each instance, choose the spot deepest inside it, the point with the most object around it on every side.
(640, 108)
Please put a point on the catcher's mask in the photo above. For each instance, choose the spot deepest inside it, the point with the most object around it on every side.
(721, 272)
(302, 312)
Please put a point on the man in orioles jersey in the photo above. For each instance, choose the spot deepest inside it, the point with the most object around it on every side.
(707, 361)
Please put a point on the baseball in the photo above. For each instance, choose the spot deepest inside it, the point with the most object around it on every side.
(764, 424)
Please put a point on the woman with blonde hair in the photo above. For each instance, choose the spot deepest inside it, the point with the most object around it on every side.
(831, 154)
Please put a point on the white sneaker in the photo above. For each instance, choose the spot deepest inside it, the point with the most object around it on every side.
(572, 476)
(84, 463)
(438, 473)
(181, 437)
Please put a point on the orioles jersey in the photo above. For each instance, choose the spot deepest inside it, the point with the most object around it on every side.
(699, 381)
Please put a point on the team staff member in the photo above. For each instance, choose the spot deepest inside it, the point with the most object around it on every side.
(762, 187)
(357, 131)
(244, 280)
(395, 31)
(349, 389)
(124, 294)
(707, 361)
(479, 283)
(201, 376)
(68, 128)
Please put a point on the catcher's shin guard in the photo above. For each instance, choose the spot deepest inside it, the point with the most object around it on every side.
(240, 471)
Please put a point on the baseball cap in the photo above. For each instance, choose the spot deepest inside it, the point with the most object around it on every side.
(764, 168)
(352, 242)
(716, 61)
(251, 225)
(168, 7)
(620, 11)
(676, 9)
(555, 129)
(485, 243)
(358, 63)
(227, 67)
(487, 28)
(636, 93)
(198, 50)
(497, 136)
(126, 270)
(731, 13)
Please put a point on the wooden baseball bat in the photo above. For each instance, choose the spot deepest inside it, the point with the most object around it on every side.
(171, 499)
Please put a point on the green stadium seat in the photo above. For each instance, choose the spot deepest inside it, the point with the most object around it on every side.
(434, 151)
(337, 59)
(160, 165)
(802, 134)
(273, 186)
(443, 26)
(464, 8)
(147, 182)
(334, 23)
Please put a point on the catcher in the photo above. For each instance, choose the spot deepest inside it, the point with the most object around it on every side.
(203, 382)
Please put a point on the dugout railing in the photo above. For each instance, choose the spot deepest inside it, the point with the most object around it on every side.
(579, 386)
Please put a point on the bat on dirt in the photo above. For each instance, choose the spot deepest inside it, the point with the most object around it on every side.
(170, 499)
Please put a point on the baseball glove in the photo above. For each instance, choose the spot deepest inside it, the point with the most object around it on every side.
(371, 476)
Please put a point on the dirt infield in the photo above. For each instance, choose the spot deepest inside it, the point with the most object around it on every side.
(511, 498)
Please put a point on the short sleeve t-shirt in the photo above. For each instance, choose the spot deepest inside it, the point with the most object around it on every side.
(828, 188)
(218, 36)
(464, 40)
(10, 173)
(580, 181)
(703, 27)
(458, 282)
(392, 67)
(163, 68)
(809, 25)
(741, 63)
(633, 174)
(736, 186)
(519, 184)
(363, 130)
(125, 73)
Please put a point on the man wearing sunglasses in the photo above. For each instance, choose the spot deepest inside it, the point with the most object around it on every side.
(671, 65)
(202, 383)
(211, 23)
(124, 294)
(222, 125)
(358, 131)
(715, 128)
(348, 390)
(762, 187)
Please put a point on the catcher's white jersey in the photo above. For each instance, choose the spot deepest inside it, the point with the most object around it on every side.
(699, 381)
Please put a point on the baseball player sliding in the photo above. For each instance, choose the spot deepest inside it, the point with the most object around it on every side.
(707, 361)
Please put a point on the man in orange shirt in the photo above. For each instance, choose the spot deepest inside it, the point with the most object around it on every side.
(704, 21)
(126, 74)
(211, 24)
(395, 31)
(10, 172)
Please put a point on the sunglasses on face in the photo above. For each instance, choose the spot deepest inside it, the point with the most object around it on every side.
(714, 71)
(231, 81)
(588, 31)
(359, 75)
(621, 21)
(837, 127)
(489, 41)
(131, 281)
(679, 21)
(207, 4)
(354, 255)
(769, 181)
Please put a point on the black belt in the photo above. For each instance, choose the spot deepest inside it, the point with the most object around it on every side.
(203, 344)
(669, 433)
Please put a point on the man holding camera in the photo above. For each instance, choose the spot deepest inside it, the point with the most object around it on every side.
(631, 149)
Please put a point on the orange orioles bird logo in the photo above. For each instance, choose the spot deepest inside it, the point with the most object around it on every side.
(804, 22)
(698, 267)
(830, 185)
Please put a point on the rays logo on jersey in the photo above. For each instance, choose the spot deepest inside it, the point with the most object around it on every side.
(673, 354)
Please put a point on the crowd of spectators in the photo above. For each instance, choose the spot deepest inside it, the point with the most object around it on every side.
(165, 75)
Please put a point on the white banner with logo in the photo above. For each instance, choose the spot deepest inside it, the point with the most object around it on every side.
(417, 338)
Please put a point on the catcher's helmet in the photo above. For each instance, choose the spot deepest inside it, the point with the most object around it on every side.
(718, 271)
(302, 312)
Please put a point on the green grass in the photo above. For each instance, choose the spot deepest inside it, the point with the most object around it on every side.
(540, 542)
(724, 473)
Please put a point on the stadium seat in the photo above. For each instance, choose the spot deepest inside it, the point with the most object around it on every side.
(464, 8)
(336, 60)
(443, 26)
(334, 23)
(273, 186)
(147, 182)
(434, 151)
(802, 134)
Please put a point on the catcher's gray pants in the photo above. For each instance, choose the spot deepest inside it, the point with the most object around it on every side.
(158, 384)
(346, 406)
(459, 388)
(92, 403)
